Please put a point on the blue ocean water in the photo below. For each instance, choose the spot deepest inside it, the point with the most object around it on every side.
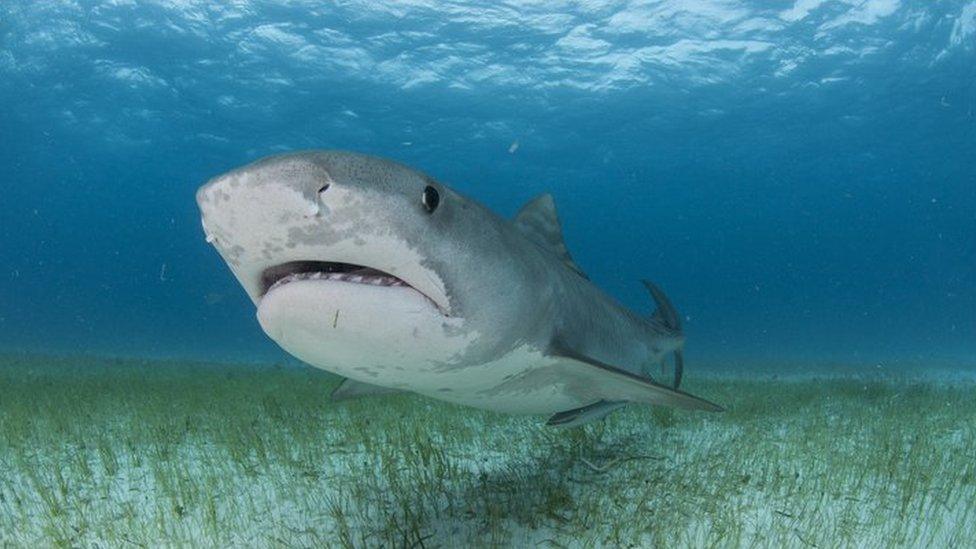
(799, 176)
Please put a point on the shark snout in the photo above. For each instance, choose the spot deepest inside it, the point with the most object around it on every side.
(289, 173)
(261, 216)
(337, 216)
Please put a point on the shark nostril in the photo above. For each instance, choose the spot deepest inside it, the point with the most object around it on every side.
(324, 188)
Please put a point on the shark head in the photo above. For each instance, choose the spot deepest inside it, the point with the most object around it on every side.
(361, 265)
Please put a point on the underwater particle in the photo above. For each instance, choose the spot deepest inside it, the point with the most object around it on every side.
(162, 273)
(513, 147)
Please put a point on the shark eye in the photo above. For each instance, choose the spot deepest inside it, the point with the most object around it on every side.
(430, 199)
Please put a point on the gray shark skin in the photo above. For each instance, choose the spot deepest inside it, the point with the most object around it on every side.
(383, 275)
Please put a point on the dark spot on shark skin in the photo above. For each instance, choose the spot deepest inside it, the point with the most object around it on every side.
(310, 235)
(452, 331)
(547, 378)
(524, 383)
(368, 371)
(215, 196)
(314, 235)
(271, 248)
(234, 253)
(468, 357)
(287, 217)
(440, 366)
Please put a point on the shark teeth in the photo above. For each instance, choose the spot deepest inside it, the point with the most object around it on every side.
(372, 280)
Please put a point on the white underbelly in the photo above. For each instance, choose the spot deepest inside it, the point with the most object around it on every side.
(522, 382)
(397, 339)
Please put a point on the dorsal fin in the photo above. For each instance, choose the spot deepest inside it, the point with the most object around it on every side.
(538, 221)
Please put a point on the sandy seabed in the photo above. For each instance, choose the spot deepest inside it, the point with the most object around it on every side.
(109, 452)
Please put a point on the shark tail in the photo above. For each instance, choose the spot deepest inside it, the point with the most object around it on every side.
(668, 316)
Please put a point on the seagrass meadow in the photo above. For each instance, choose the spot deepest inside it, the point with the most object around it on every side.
(110, 452)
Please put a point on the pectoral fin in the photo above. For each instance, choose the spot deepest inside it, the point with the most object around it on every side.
(586, 414)
(350, 389)
(616, 384)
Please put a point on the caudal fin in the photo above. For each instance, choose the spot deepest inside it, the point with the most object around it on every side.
(668, 316)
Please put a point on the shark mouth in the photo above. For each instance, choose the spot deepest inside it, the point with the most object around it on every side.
(294, 271)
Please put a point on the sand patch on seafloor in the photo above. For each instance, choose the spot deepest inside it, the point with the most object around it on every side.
(125, 452)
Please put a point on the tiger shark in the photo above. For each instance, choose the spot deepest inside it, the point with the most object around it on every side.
(383, 275)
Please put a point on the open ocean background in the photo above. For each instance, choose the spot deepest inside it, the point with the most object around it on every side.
(799, 177)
